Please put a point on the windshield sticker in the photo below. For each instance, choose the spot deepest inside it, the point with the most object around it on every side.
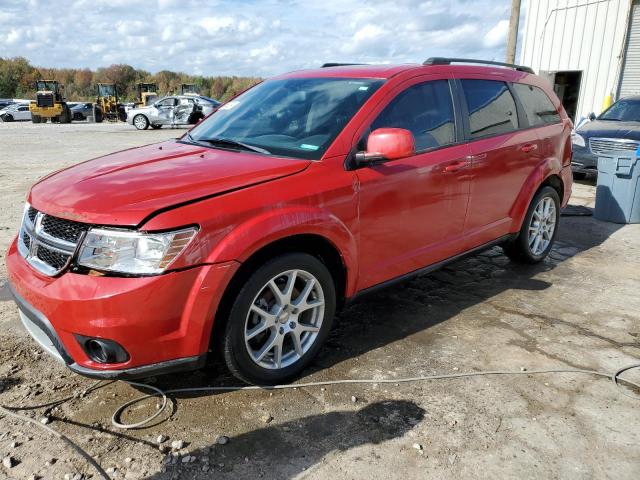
(363, 88)
(306, 146)
(229, 105)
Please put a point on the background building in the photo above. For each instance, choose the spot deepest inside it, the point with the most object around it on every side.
(588, 49)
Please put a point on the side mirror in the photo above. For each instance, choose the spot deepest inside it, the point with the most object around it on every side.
(592, 116)
(387, 144)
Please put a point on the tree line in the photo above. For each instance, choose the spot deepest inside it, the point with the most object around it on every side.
(17, 78)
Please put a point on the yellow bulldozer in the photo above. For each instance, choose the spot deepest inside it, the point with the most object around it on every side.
(50, 103)
(107, 106)
(147, 94)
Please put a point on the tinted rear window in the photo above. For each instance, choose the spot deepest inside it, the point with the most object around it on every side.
(537, 106)
(492, 110)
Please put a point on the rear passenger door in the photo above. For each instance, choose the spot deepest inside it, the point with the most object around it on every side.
(412, 210)
(503, 153)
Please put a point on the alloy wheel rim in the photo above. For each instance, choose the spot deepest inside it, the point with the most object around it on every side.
(542, 226)
(284, 319)
(140, 122)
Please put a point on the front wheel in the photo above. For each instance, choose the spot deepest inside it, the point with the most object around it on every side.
(279, 319)
(140, 122)
(539, 229)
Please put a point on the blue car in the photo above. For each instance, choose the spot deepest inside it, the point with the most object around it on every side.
(617, 128)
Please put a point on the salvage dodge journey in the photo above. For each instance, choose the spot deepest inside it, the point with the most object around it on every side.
(308, 190)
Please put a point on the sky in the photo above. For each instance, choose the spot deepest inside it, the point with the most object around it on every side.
(249, 37)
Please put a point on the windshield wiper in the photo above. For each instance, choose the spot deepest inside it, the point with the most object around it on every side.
(233, 143)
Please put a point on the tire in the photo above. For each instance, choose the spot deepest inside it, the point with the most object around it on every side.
(140, 122)
(7, 118)
(248, 333)
(539, 229)
(156, 127)
(36, 119)
(65, 117)
(579, 175)
(97, 115)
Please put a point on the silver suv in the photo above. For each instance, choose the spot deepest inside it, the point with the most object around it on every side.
(173, 110)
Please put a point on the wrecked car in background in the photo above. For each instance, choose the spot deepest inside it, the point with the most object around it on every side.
(172, 110)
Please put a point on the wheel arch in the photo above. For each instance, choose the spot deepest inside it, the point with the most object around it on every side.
(548, 173)
(314, 244)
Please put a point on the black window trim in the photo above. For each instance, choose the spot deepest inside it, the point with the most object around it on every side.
(458, 129)
(523, 122)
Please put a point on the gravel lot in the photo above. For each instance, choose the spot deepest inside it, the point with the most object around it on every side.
(580, 309)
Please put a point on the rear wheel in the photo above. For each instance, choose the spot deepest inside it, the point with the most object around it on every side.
(140, 122)
(279, 319)
(7, 118)
(539, 229)
(36, 119)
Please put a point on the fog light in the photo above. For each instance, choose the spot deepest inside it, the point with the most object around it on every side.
(101, 350)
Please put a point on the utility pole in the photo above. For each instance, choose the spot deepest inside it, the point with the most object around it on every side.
(512, 38)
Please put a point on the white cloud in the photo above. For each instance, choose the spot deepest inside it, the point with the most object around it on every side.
(497, 35)
(250, 37)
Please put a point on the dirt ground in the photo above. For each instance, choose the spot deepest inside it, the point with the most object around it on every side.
(579, 309)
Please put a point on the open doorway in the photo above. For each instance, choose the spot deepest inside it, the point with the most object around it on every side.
(566, 84)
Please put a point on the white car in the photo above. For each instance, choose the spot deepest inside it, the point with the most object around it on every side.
(16, 112)
(172, 110)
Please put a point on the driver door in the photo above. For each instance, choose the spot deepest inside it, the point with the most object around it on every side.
(412, 210)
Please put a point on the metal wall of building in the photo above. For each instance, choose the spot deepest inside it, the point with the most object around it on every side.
(584, 35)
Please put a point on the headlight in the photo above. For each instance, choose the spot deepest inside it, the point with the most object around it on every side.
(132, 252)
(577, 139)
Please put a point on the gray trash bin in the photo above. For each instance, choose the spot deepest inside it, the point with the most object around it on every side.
(618, 191)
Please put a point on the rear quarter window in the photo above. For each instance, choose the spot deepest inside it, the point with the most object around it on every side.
(538, 107)
(492, 109)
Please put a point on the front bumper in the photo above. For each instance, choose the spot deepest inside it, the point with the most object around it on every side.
(164, 322)
(583, 161)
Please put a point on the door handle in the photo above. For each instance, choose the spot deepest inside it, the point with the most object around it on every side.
(456, 166)
(529, 147)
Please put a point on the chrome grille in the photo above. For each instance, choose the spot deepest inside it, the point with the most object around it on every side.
(605, 146)
(64, 229)
(48, 243)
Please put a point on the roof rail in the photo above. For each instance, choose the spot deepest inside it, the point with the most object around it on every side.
(333, 64)
(449, 61)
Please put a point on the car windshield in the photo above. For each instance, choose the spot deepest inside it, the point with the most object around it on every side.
(623, 111)
(297, 117)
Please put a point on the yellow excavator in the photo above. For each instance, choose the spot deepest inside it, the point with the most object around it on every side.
(147, 94)
(50, 103)
(107, 106)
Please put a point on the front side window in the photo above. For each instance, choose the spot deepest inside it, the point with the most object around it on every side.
(623, 111)
(426, 110)
(167, 102)
(293, 117)
(538, 108)
(492, 110)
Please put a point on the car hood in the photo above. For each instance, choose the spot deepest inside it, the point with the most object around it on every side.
(126, 187)
(611, 129)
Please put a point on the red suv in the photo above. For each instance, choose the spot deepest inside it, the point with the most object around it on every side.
(306, 191)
